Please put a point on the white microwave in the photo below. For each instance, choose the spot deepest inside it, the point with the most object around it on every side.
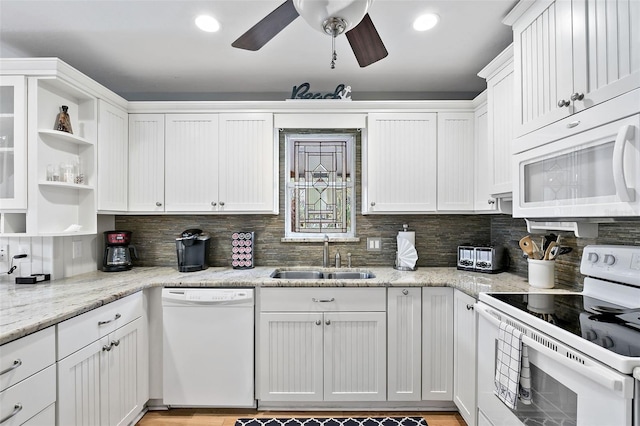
(585, 166)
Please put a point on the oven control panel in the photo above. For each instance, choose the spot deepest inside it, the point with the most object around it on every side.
(615, 263)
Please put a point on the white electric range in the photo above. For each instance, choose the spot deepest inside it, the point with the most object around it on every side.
(584, 356)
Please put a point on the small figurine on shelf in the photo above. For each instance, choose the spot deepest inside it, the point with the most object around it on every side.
(63, 122)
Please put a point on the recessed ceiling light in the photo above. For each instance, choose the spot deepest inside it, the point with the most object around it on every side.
(426, 22)
(207, 23)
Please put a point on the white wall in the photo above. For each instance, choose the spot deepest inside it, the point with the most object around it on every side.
(50, 255)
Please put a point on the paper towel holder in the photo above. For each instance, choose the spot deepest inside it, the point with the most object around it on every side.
(396, 263)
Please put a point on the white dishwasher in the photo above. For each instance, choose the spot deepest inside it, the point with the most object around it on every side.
(208, 347)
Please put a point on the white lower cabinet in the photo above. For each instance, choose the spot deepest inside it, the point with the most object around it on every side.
(106, 381)
(404, 315)
(28, 380)
(437, 343)
(322, 344)
(464, 356)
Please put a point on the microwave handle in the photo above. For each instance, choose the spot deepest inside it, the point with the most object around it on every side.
(598, 374)
(624, 134)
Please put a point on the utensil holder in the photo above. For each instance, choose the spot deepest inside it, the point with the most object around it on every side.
(542, 273)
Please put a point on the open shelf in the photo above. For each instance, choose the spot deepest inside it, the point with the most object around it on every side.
(66, 185)
(64, 136)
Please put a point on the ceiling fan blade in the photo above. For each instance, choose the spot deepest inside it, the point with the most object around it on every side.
(268, 27)
(366, 42)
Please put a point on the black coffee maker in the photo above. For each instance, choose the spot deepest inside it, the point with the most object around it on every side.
(192, 248)
(118, 251)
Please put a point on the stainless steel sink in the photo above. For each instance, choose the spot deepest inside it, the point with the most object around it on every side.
(321, 275)
(348, 275)
(297, 275)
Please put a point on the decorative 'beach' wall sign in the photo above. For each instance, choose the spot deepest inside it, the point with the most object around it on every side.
(303, 92)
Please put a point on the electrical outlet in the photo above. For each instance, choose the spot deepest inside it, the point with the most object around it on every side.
(4, 253)
(374, 244)
(76, 248)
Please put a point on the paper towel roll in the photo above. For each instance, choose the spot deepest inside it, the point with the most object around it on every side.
(409, 236)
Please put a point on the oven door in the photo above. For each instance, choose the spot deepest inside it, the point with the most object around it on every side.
(595, 173)
(567, 388)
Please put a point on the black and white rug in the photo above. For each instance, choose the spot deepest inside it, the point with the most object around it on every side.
(333, 421)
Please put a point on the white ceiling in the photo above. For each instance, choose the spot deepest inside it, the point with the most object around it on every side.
(151, 50)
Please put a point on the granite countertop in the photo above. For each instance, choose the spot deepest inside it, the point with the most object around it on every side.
(26, 308)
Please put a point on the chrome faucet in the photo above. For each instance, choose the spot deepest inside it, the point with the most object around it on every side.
(325, 252)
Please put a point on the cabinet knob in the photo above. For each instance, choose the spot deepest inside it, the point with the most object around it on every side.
(107, 347)
(318, 322)
(577, 96)
(115, 342)
(373, 203)
(328, 322)
(562, 103)
(469, 307)
(221, 203)
(213, 203)
(405, 291)
(158, 204)
(491, 201)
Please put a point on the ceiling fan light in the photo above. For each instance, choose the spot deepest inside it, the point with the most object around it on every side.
(426, 22)
(315, 12)
(207, 23)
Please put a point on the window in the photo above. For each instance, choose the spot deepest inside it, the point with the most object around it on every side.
(320, 185)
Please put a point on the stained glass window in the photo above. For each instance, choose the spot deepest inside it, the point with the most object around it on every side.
(320, 185)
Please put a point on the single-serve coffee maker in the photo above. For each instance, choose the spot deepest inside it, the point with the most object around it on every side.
(192, 248)
(118, 251)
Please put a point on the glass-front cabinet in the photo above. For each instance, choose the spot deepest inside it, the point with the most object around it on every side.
(13, 154)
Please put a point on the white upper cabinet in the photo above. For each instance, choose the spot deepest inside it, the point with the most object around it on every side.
(455, 161)
(209, 163)
(113, 157)
(500, 122)
(570, 55)
(482, 199)
(191, 172)
(146, 162)
(399, 162)
(13, 143)
(247, 164)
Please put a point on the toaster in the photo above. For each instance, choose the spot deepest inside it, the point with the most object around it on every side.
(481, 259)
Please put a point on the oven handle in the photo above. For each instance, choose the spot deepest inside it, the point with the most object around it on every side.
(598, 374)
(625, 193)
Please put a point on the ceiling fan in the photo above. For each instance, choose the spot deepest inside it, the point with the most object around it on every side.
(332, 17)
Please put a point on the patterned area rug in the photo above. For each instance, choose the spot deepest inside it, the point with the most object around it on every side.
(333, 421)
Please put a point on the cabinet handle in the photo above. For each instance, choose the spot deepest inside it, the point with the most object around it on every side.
(221, 203)
(469, 307)
(158, 204)
(491, 201)
(115, 342)
(573, 124)
(16, 409)
(562, 103)
(213, 203)
(625, 134)
(17, 363)
(577, 96)
(328, 322)
(107, 347)
(405, 291)
(333, 299)
(108, 321)
(318, 322)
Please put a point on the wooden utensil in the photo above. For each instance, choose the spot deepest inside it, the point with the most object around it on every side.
(527, 245)
(552, 251)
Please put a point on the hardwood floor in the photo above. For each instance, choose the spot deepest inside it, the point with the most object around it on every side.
(213, 417)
